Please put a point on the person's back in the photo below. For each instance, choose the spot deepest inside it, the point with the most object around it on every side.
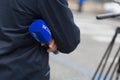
(21, 57)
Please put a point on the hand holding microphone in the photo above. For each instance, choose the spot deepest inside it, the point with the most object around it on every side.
(52, 47)
(40, 32)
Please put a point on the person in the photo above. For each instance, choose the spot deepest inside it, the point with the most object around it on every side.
(80, 5)
(22, 57)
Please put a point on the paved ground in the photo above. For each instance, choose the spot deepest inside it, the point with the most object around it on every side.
(82, 63)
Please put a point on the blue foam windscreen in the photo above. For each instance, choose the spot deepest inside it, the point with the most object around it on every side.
(40, 31)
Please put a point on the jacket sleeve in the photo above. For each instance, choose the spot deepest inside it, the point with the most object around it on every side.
(60, 20)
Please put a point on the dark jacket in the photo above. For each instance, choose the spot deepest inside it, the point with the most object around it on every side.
(21, 57)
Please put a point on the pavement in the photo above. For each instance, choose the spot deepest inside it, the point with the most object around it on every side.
(82, 63)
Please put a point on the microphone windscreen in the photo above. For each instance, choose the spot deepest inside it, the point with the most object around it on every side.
(40, 31)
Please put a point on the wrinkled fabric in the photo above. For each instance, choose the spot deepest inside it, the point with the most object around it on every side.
(21, 57)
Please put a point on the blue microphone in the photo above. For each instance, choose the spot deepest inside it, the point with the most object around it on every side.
(39, 31)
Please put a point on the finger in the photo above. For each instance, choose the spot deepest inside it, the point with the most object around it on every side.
(42, 44)
(54, 48)
(51, 44)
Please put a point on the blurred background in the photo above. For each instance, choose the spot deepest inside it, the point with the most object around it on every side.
(96, 35)
(96, 6)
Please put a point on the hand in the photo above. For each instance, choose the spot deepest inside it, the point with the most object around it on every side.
(52, 46)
